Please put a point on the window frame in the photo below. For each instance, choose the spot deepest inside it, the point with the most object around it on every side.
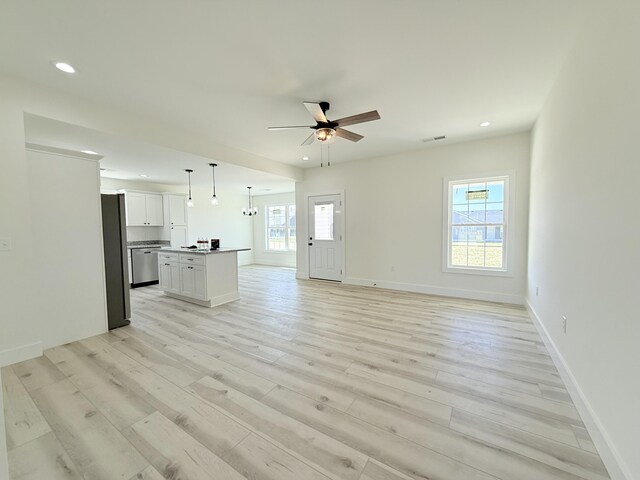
(508, 223)
(287, 228)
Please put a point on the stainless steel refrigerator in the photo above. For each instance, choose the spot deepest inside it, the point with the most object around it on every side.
(114, 235)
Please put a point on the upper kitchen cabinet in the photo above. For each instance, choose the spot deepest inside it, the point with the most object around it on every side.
(177, 209)
(144, 209)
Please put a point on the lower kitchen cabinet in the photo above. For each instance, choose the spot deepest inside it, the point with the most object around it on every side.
(193, 281)
(169, 276)
(207, 278)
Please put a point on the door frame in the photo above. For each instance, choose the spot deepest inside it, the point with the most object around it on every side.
(343, 224)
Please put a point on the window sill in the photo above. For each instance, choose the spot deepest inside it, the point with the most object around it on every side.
(478, 271)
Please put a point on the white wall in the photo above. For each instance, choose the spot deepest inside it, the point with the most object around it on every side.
(261, 255)
(69, 287)
(17, 313)
(224, 221)
(584, 235)
(394, 211)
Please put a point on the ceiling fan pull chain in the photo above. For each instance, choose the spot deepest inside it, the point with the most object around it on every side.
(321, 156)
(328, 155)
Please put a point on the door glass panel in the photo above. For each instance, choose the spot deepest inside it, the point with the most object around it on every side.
(323, 214)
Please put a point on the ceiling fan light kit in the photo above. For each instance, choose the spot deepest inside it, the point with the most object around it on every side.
(325, 134)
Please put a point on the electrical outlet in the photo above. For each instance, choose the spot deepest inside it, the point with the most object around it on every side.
(536, 291)
(5, 244)
(564, 324)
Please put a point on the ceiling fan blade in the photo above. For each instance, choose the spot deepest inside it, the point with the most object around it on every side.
(290, 128)
(347, 135)
(309, 139)
(360, 118)
(316, 112)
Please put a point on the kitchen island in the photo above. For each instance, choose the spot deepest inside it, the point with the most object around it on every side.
(203, 277)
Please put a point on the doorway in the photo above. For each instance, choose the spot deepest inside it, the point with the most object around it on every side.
(326, 252)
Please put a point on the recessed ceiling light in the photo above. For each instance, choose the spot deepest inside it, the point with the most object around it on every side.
(143, 175)
(89, 152)
(305, 158)
(486, 124)
(65, 67)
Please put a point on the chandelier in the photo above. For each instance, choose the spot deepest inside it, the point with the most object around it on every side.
(251, 211)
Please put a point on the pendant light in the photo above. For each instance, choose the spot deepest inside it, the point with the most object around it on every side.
(190, 201)
(251, 210)
(214, 199)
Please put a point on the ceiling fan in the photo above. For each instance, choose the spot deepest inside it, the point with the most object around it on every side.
(326, 130)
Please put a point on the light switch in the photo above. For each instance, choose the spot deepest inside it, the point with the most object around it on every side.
(5, 244)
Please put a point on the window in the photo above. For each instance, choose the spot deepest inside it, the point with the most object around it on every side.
(476, 231)
(323, 214)
(281, 228)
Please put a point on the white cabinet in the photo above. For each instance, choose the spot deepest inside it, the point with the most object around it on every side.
(205, 279)
(193, 281)
(169, 276)
(177, 210)
(136, 204)
(144, 209)
(154, 210)
(178, 237)
(175, 220)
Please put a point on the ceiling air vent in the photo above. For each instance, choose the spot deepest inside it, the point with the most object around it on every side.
(434, 139)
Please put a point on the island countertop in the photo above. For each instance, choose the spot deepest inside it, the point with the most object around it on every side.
(203, 252)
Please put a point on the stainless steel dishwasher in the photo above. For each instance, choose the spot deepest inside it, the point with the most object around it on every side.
(144, 263)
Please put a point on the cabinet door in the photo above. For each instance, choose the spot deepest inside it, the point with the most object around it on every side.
(187, 280)
(164, 269)
(136, 209)
(177, 210)
(175, 277)
(154, 210)
(199, 282)
(178, 237)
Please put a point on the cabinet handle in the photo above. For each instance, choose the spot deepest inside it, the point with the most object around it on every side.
(167, 264)
(190, 268)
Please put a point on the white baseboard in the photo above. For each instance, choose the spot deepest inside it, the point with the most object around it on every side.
(302, 275)
(275, 261)
(608, 453)
(442, 291)
(20, 354)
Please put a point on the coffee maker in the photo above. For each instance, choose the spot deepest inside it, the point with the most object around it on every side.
(215, 243)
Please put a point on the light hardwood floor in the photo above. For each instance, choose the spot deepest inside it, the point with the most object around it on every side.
(300, 380)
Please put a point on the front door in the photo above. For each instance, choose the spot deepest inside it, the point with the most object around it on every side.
(325, 237)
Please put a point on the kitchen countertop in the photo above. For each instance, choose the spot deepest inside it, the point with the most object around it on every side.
(131, 247)
(204, 252)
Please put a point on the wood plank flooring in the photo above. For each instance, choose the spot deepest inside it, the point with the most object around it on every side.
(300, 380)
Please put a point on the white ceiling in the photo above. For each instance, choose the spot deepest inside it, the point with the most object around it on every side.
(228, 70)
(126, 160)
